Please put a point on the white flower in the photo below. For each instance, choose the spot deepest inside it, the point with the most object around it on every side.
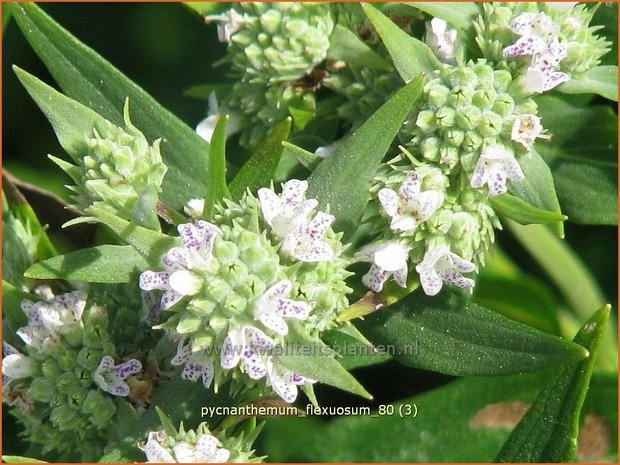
(284, 381)
(526, 129)
(111, 378)
(305, 243)
(274, 306)
(197, 365)
(206, 127)
(231, 22)
(285, 212)
(409, 207)
(15, 365)
(388, 259)
(207, 450)
(326, 150)
(194, 207)
(441, 40)
(560, 7)
(248, 347)
(194, 253)
(440, 265)
(495, 165)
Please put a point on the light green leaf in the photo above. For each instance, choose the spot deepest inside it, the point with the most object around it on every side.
(20, 459)
(458, 15)
(522, 212)
(583, 159)
(88, 78)
(217, 188)
(345, 45)
(101, 264)
(549, 430)
(602, 80)
(358, 158)
(260, 169)
(537, 188)
(308, 159)
(207, 8)
(452, 335)
(312, 358)
(148, 243)
(6, 17)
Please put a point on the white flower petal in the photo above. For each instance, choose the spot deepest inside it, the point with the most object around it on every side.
(155, 452)
(392, 257)
(389, 201)
(185, 282)
(17, 366)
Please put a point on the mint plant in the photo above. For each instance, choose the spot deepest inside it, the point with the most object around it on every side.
(370, 196)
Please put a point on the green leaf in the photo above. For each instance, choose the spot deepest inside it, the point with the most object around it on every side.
(101, 264)
(206, 8)
(312, 358)
(450, 334)
(410, 55)
(458, 15)
(351, 352)
(88, 78)
(12, 311)
(345, 45)
(522, 212)
(260, 169)
(20, 459)
(6, 17)
(538, 189)
(148, 243)
(216, 174)
(308, 159)
(583, 159)
(549, 430)
(601, 80)
(358, 158)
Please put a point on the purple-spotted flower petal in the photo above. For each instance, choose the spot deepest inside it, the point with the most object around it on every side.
(526, 129)
(284, 381)
(388, 259)
(274, 306)
(248, 347)
(111, 378)
(305, 243)
(440, 265)
(208, 449)
(495, 165)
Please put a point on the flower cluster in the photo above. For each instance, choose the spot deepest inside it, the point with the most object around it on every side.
(63, 381)
(235, 285)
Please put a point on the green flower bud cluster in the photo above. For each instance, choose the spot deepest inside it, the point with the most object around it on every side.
(68, 414)
(119, 171)
(462, 110)
(199, 446)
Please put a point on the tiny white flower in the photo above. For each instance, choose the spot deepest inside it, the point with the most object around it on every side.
(247, 346)
(194, 207)
(560, 7)
(206, 127)
(388, 259)
(326, 150)
(495, 165)
(230, 22)
(274, 306)
(440, 265)
(111, 378)
(197, 365)
(284, 381)
(207, 450)
(535, 81)
(285, 212)
(410, 206)
(15, 365)
(526, 129)
(305, 244)
(441, 40)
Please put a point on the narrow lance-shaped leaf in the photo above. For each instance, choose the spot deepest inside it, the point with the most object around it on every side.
(358, 158)
(85, 76)
(450, 334)
(259, 170)
(101, 264)
(216, 178)
(346, 46)
(549, 430)
(522, 212)
(410, 56)
(459, 16)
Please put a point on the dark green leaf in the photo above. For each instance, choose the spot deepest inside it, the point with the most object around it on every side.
(217, 188)
(522, 212)
(410, 56)
(583, 159)
(459, 16)
(345, 45)
(259, 170)
(148, 243)
(602, 80)
(312, 358)
(549, 430)
(308, 159)
(12, 311)
(450, 334)
(538, 188)
(351, 352)
(101, 264)
(87, 77)
(358, 158)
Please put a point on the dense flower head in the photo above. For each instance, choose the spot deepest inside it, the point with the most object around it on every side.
(233, 287)
(118, 168)
(64, 379)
